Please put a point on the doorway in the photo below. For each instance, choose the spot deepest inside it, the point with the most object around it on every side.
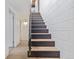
(11, 22)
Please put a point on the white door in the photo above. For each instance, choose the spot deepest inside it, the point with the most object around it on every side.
(11, 28)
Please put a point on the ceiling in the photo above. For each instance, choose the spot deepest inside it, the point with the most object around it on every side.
(21, 6)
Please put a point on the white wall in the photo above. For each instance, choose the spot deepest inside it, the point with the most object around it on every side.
(21, 11)
(59, 15)
(9, 29)
(36, 6)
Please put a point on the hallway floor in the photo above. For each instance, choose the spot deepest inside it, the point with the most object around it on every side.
(20, 52)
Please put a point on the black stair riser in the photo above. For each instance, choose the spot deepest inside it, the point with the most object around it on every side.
(43, 43)
(41, 36)
(38, 22)
(45, 54)
(40, 31)
(38, 26)
(35, 14)
(36, 18)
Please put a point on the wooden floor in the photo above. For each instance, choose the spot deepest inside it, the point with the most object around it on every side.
(20, 52)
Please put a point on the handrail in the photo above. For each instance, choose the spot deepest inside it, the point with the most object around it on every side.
(30, 33)
(30, 30)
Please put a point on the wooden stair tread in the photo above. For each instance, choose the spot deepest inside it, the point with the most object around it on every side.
(44, 49)
(41, 40)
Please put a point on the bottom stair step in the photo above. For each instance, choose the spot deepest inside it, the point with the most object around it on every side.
(41, 58)
(45, 54)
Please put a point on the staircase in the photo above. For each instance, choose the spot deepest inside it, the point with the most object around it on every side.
(42, 47)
